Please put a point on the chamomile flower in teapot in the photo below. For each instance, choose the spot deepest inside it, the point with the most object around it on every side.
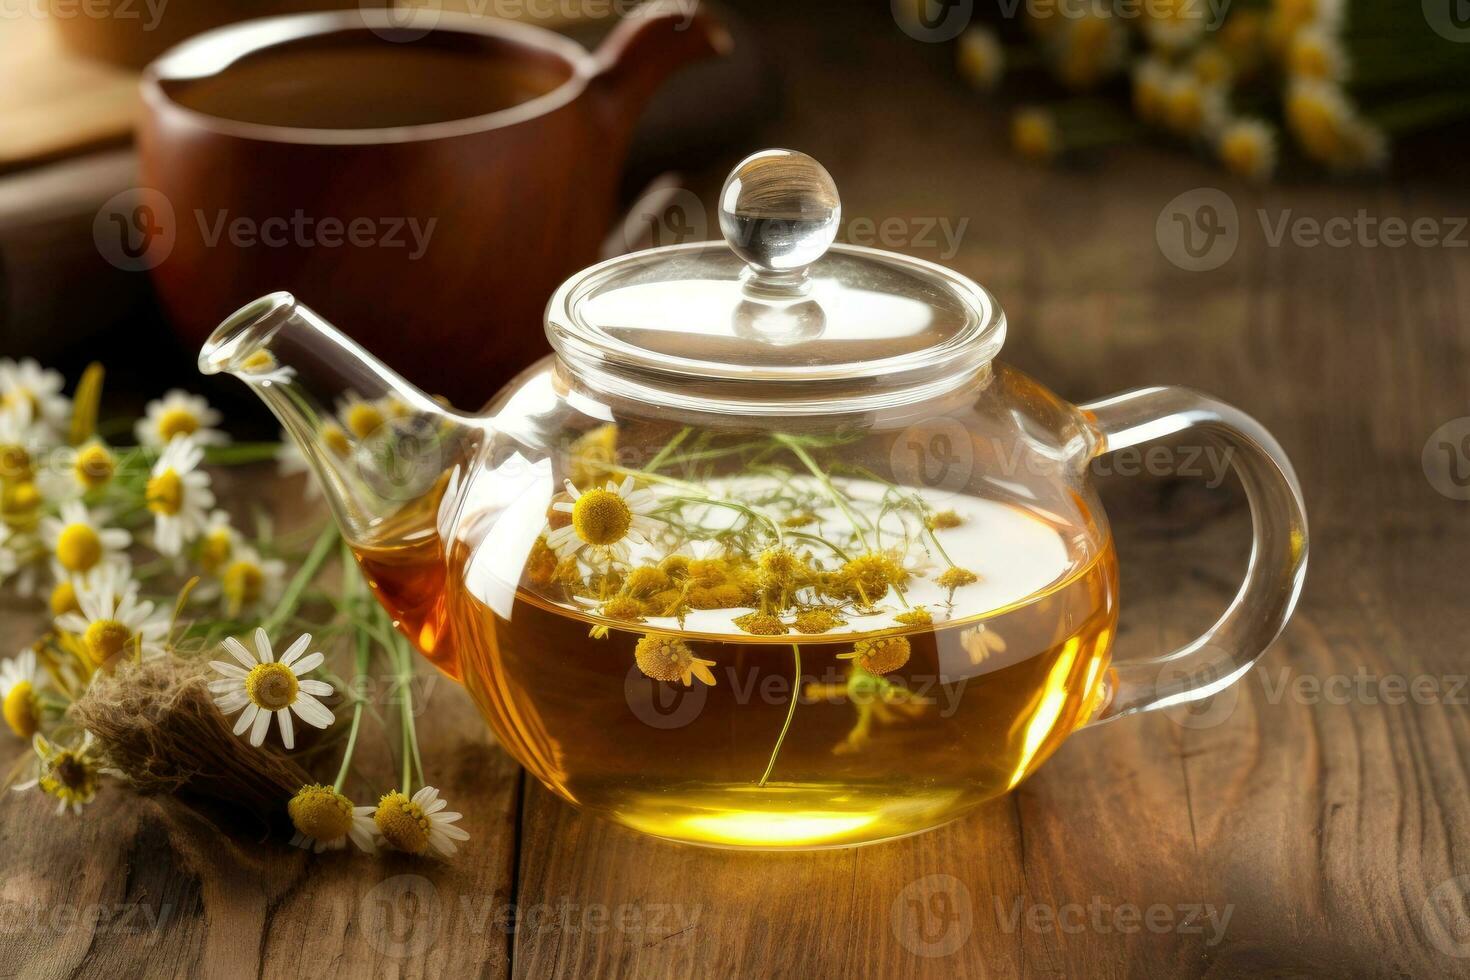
(773, 551)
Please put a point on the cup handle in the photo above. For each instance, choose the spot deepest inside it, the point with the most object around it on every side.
(650, 44)
(1278, 560)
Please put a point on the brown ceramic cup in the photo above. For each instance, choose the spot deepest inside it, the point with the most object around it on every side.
(425, 182)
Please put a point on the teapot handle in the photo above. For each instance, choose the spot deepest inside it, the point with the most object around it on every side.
(1278, 560)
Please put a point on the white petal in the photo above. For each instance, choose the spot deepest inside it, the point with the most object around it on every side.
(246, 717)
(308, 664)
(237, 650)
(261, 726)
(425, 796)
(576, 494)
(442, 844)
(231, 703)
(263, 646)
(312, 711)
(563, 507)
(296, 650)
(319, 688)
(449, 830)
(229, 670)
(288, 733)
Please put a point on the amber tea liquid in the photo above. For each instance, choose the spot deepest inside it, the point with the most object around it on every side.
(987, 694)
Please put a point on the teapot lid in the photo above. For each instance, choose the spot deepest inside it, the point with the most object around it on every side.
(776, 317)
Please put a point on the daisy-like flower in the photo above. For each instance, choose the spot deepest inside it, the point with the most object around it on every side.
(247, 581)
(1151, 79)
(879, 654)
(218, 541)
(178, 495)
(262, 367)
(1247, 147)
(419, 824)
(362, 417)
(110, 620)
(1316, 53)
(982, 60)
(20, 436)
(92, 468)
(69, 774)
(79, 541)
(608, 518)
(39, 388)
(264, 686)
(325, 819)
(665, 657)
(1034, 134)
(21, 560)
(19, 682)
(179, 413)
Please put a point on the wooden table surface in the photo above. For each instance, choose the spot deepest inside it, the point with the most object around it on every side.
(1314, 820)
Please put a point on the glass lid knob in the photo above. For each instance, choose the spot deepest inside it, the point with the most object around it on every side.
(779, 212)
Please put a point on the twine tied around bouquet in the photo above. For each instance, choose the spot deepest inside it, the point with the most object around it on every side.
(160, 728)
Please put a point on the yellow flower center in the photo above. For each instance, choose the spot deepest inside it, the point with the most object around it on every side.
(63, 598)
(261, 362)
(215, 549)
(402, 823)
(20, 505)
(336, 440)
(94, 466)
(601, 517)
(663, 657)
(105, 639)
(177, 422)
(15, 463)
(19, 395)
(78, 547)
(166, 493)
(71, 777)
(243, 583)
(320, 813)
(882, 654)
(1034, 135)
(363, 419)
(20, 709)
(271, 686)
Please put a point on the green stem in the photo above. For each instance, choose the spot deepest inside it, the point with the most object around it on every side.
(308, 571)
(790, 713)
(826, 484)
(352, 587)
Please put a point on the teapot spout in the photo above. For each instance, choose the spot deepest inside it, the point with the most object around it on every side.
(382, 450)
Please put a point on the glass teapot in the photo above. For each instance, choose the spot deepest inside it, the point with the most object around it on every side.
(772, 552)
